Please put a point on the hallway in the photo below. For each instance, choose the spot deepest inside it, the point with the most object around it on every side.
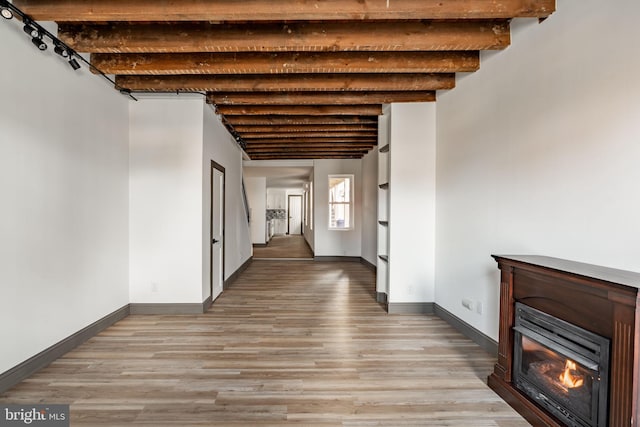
(288, 344)
(284, 246)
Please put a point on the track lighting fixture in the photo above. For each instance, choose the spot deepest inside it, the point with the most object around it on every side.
(60, 50)
(37, 41)
(38, 35)
(74, 64)
(31, 30)
(6, 12)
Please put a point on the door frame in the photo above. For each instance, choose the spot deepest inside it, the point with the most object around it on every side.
(289, 213)
(221, 169)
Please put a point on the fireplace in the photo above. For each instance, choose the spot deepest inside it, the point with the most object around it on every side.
(562, 367)
(592, 343)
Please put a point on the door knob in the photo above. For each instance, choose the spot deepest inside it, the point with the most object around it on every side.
(214, 241)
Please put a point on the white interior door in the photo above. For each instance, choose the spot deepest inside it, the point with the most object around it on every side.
(217, 230)
(295, 214)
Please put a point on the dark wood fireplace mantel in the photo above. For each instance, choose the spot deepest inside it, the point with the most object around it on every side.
(601, 300)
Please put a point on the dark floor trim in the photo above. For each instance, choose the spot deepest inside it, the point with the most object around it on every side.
(30, 366)
(337, 258)
(206, 304)
(381, 297)
(169, 308)
(234, 276)
(369, 265)
(468, 331)
(410, 307)
(260, 245)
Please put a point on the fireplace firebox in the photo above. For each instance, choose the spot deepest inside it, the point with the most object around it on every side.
(562, 367)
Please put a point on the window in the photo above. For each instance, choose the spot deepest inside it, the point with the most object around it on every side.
(340, 202)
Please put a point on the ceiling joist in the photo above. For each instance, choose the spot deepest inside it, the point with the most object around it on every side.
(289, 82)
(286, 149)
(298, 120)
(350, 36)
(318, 98)
(305, 156)
(285, 135)
(309, 110)
(307, 140)
(287, 144)
(287, 62)
(307, 128)
(256, 10)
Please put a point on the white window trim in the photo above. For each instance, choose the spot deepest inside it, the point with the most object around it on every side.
(351, 202)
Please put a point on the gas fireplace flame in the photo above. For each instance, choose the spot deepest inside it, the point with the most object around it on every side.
(569, 377)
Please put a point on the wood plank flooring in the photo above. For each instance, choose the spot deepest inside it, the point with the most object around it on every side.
(289, 344)
(284, 246)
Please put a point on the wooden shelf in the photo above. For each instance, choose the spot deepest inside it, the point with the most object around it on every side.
(384, 149)
(384, 186)
(385, 258)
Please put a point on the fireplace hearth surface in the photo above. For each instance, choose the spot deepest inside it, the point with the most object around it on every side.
(568, 350)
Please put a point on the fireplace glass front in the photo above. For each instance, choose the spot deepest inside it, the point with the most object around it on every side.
(562, 367)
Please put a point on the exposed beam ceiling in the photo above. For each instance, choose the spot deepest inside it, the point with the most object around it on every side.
(291, 79)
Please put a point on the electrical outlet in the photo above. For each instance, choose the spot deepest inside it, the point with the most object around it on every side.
(479, 307)
(154, 287)
(467, 303)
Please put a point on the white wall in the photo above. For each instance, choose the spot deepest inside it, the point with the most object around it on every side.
(370, 206)
(257, 196)
(64, 198)
(166, 200)
(538, 153)
(412, 200)
(336, 242)
(220, 147)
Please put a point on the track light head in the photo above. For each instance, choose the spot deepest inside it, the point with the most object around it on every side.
(74, 64)
(61, 51)
(6, 12)
(31, 30)
(37, 41)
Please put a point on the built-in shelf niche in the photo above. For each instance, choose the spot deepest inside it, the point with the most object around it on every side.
(384, 153)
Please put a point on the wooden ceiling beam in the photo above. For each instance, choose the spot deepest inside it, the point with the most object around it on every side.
(309, 150)
(306, 98)
(285, 135)
(297, 120)
(286, 62)
(306, 128)
(258, 146)
(311, 153)
(289, 82)
(315, 140)
(274, 37)
(310, 110)
(260, 10)
(300, 156)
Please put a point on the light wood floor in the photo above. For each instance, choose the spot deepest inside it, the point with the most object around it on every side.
(284, 246)
(290, 343)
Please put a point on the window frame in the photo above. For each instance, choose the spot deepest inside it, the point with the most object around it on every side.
(350, 203)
